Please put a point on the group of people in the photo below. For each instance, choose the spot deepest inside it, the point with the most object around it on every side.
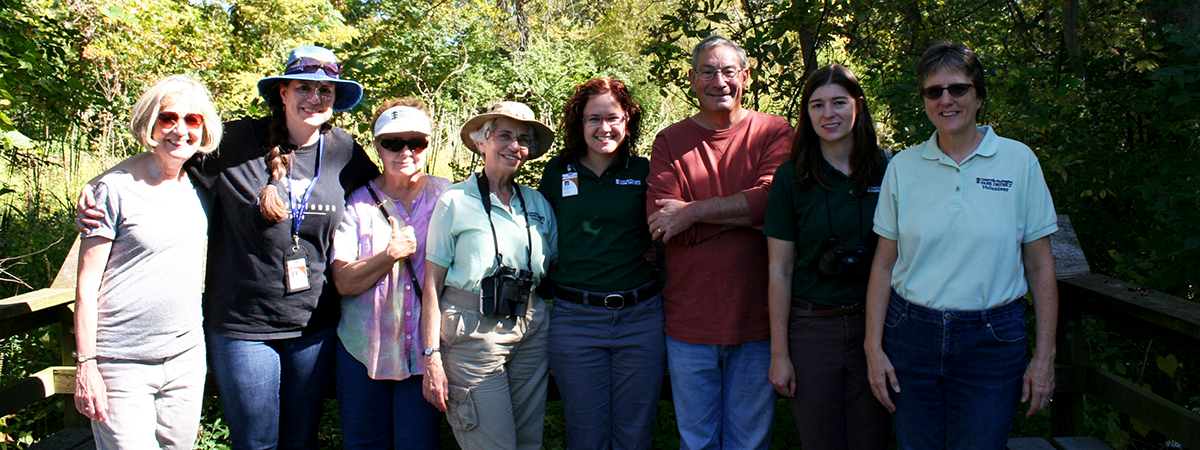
(423, 297)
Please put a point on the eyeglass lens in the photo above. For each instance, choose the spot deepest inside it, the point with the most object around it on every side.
(170, 119)
(956, 90)
(417, 145)
(612, 121)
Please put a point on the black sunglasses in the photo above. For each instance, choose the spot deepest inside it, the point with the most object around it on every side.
(417, 145)
(956, 90)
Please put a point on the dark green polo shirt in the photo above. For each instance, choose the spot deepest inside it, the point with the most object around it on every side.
(602, 230)
(800, 216)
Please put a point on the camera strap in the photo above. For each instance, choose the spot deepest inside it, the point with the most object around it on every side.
(485, 195)
(412, 274)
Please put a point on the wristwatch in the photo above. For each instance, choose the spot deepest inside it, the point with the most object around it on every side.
(83, 359)
(429, 351)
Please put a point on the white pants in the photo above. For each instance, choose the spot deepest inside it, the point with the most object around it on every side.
(152, 403)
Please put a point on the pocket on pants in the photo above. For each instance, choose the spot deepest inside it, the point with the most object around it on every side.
(895, 314)
(461, 409)
(1007, 330)
(452, 326)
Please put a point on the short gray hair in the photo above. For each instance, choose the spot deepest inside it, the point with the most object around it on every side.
(716, 40)
(484, 132)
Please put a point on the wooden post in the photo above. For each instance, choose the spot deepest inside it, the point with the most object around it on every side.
(1066, 409)
(65, 279)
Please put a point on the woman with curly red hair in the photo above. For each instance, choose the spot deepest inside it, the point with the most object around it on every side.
(606, 350)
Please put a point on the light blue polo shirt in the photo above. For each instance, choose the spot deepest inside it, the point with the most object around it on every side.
(460, 239)
(959, 227)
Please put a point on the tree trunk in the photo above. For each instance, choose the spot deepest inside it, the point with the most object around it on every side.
(1071, 39)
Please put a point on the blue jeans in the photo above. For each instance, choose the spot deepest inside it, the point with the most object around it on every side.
(273, 390)
(383, 414)
(608, 365)
(960, 374)
(723, 398)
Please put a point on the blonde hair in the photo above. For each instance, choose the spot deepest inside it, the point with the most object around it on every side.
(167, 92)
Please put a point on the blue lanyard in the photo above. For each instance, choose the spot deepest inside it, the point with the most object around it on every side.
(298, 210)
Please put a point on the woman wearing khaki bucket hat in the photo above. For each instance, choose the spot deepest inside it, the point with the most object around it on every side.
(490, 243)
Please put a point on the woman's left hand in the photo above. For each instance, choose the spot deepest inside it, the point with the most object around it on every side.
(91, 395)
(1038, 386)
(403, 242)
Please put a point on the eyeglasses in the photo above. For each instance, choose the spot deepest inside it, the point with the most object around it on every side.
(310, 65)
(612, 121)
(727, 73)
(507, 138)
(416, 145)
(306, 89)
(170, 119)
(956, 90)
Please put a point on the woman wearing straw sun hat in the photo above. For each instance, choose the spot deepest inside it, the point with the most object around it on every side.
(490, 243)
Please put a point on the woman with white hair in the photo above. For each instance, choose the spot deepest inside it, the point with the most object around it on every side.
(490, 243)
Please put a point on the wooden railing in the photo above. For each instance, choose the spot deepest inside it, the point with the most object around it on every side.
(53, 306)
(1167, 319)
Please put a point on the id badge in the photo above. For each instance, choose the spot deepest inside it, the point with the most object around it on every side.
(570, 184)
(296, 261)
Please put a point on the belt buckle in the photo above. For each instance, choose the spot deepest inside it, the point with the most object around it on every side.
(610, 296)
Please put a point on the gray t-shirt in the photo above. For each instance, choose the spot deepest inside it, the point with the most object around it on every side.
(150, 294)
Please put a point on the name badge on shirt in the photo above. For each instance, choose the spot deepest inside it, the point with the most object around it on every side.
(570, 184)
(296, 262)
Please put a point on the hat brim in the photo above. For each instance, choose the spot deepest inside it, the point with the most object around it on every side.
(544, 134)
(349, 93)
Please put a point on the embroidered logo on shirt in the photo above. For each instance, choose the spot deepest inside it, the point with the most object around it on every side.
(872, 189)
(993, 184)
(540, 219)
(628, 182)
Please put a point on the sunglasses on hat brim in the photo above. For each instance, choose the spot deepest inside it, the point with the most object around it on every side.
(310, 65)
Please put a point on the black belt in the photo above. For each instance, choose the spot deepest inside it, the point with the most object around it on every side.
(815, 310)
(610, 300)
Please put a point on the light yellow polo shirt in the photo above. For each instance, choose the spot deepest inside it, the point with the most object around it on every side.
(959, 227)
(460, 239)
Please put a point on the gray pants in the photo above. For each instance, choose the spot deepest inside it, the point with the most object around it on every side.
(609, 365)
(497, 371)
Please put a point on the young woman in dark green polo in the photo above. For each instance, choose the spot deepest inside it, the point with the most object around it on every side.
(820, 245)
(606, 349)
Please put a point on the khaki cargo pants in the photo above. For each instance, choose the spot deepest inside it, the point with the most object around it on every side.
(497, 371)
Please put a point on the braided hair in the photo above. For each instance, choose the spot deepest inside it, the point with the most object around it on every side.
(278, 159)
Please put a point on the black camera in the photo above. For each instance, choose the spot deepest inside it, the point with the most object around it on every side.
(506, 292)
(839, 262)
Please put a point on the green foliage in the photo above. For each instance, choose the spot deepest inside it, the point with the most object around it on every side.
(1103, 93)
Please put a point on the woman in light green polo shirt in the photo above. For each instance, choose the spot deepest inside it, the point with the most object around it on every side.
(820, 243)
(490, 243)
(963, 222)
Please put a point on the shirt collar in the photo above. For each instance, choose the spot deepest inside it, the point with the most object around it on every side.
(987, 147)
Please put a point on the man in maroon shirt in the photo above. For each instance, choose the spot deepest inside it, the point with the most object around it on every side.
(709, 176)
